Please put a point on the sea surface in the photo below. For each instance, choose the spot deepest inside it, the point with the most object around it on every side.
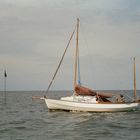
(22, 118)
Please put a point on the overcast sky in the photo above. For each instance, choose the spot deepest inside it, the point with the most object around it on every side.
(34, 34)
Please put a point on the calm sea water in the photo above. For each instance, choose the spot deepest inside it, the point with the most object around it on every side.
(25, 119)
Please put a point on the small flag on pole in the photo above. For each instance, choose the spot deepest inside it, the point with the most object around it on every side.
(5, 74)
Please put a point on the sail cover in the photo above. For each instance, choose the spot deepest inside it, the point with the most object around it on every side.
(107, 95)
(80, 90)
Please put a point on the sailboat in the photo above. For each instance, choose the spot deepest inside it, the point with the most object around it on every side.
(85, 99)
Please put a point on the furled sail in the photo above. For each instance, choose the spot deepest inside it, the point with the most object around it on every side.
(80, 90)
(107, 95)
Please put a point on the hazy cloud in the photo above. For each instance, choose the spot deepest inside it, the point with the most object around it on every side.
(34, 33)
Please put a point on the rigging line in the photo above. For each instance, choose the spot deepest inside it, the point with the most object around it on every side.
(126, 93)
(61, 60)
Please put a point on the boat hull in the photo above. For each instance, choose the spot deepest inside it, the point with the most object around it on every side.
(53, 104)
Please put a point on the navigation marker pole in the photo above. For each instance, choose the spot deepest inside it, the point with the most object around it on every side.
(5, 76)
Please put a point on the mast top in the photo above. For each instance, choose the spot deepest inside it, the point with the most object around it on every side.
(78, 20)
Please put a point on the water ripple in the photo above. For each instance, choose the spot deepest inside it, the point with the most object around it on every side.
(23, 119)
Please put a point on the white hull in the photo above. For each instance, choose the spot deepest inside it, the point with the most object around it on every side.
(53, 104)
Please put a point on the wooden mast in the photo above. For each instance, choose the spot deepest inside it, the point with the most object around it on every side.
(135, 94)
(76, 55)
